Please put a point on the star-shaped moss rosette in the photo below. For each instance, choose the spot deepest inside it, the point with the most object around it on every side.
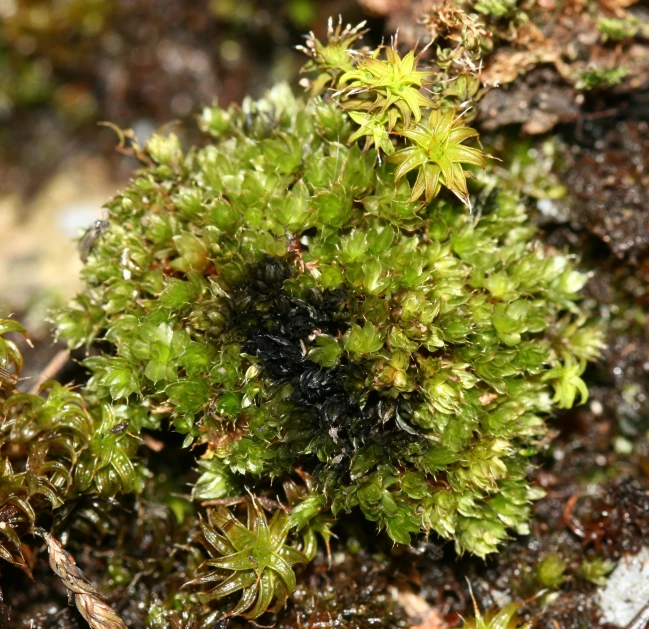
(385, 95)
(374, 128)
(389, 86)
(254, 559)
(437, 154)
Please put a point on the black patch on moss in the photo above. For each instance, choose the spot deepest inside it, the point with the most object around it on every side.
(279, 330)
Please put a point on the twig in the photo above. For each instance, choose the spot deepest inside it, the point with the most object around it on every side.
(641, 620)
(569, 518)
(154, 444)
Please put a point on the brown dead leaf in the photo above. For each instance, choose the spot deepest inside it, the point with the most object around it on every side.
(98, 614)
(419, 611)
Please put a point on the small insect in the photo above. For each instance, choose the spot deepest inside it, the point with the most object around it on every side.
(119, 429)
(95, 231)
(8, 377)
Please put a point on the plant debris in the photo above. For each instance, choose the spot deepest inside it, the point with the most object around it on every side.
(96, 611)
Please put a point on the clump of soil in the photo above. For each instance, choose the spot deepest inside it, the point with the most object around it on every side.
(608, 179)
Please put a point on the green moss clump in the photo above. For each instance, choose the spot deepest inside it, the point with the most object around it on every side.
(595, 571)
(550, 572)
(308, 312)
(41, 439)
(597, 77)
(618, 29)
(279, 299)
